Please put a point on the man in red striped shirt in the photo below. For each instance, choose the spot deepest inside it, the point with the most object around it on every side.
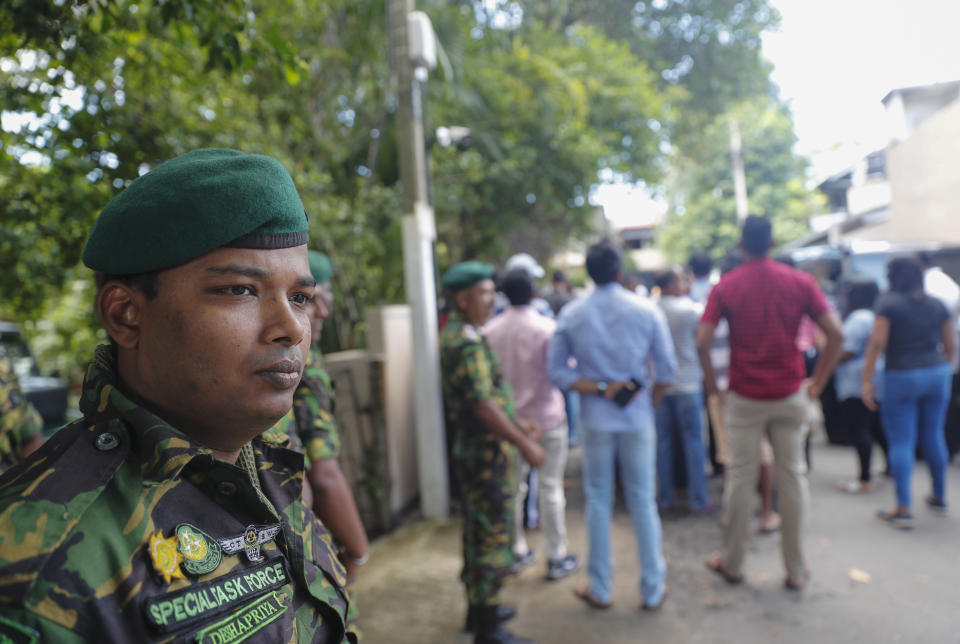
(764, 301)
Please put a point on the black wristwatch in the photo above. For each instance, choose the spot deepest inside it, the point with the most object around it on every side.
(601, 387)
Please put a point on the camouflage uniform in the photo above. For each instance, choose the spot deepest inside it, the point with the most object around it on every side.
(19, 421)
(482, 461)
(122, 529)
(310, 424)
(312, 430)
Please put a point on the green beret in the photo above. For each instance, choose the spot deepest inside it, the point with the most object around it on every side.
(320, 266)
(466, 274)
(195, 203)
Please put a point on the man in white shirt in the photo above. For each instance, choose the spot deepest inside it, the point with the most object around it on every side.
(938, 284)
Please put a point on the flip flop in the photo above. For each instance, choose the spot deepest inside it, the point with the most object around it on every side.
(797, 584)
(715, 563)
(772, 528)
(582, 592)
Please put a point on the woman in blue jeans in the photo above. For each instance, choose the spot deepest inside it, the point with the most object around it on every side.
(915, 333)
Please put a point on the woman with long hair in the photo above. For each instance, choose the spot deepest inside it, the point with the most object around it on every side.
(915, 333)
(862, 425)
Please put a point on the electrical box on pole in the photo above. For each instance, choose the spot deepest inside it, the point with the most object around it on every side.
(422, 40)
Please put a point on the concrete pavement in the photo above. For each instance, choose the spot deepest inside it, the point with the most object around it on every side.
(871, 583)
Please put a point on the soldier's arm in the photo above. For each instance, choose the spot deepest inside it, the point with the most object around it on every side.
(497, 422)
(334, 505)
(333, 501)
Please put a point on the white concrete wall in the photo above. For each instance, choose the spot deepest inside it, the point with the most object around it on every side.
(388, 335)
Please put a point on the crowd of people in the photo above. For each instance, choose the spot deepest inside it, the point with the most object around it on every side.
(687, 373)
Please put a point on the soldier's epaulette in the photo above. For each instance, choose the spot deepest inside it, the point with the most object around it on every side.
(61, 480)
(470, 333)
(276, 437)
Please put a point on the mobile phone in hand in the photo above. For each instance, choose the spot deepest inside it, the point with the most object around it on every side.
(625, 395)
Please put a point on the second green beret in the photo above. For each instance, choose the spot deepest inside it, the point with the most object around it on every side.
(195, 203)
(466, 274)
(320, 266)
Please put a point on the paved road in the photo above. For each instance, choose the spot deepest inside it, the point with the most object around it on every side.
(871, 583)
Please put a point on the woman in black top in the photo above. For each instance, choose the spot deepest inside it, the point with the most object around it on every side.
(916, 333)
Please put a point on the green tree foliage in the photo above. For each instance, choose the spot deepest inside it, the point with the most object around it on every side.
(706, 53)
(710, 67)
(152, 86)
(703, 216)
(546, 111)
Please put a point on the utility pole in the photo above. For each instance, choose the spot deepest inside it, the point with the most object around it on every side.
(739, 176)
(419, 235)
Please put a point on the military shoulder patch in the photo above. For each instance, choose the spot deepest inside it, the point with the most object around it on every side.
(13, 633)
(205, 600)
(245, 622)
(201, 553)
(470, 333)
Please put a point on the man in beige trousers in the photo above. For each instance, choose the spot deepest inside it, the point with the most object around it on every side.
(763, 301)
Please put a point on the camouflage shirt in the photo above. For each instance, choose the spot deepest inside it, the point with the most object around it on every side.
(471, 373)
(311, 424)
(19, 421)
(123, 529)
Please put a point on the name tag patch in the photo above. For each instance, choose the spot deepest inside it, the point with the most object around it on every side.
(245, 622)
(15, 633)
(202, 601)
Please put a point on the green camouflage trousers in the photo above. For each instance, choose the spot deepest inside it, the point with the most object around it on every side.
(488, 486)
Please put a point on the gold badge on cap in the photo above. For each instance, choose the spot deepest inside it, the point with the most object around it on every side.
(166, 557)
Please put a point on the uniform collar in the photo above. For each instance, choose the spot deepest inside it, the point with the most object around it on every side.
(163, 450)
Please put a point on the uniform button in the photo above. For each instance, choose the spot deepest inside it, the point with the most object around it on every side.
(107, 441)
(226, 488)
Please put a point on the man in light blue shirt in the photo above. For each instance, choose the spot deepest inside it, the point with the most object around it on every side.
(613, 336)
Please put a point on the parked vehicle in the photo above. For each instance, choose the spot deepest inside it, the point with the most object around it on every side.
(832, 264)
(47, 393)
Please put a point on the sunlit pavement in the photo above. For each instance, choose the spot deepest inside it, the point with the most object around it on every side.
(871, 583)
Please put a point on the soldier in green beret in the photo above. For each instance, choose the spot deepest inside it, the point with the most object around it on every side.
(312, 425)
(21, 428)
(480, 411)
(166, 513)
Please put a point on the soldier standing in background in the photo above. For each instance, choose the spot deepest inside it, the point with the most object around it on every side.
(313, 430)
(166, 512)
(479, 409)
(21, 428)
